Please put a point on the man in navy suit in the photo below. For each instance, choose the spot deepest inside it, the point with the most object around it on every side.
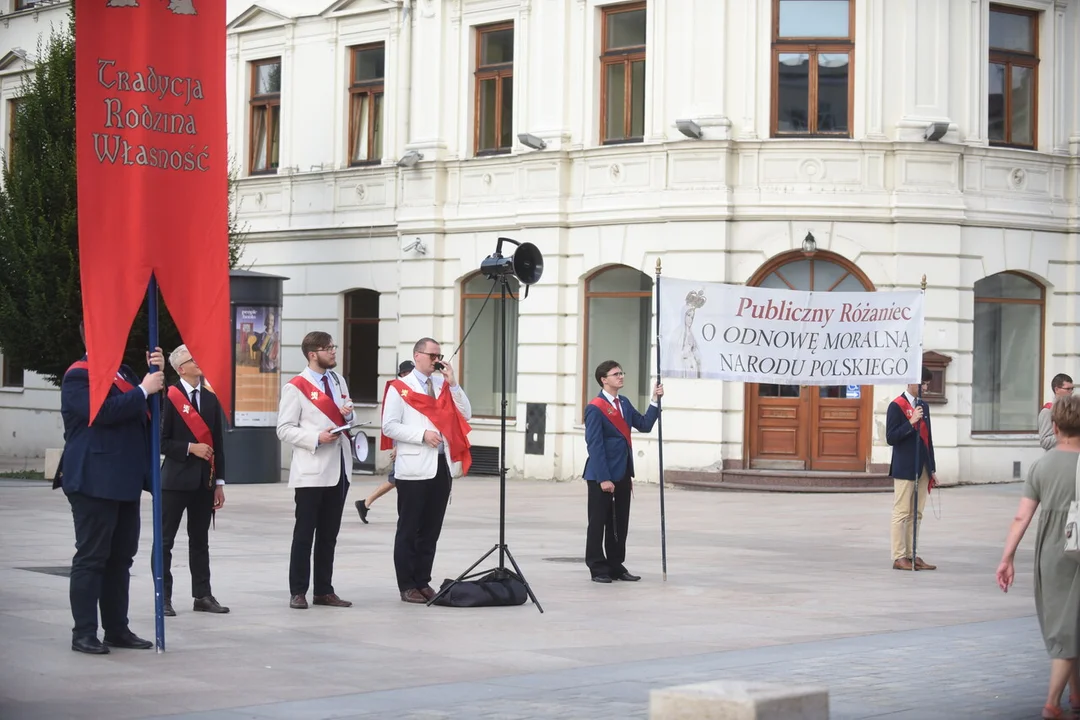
(192, 476)
(104, 469)
(907, 430)
(609, 471)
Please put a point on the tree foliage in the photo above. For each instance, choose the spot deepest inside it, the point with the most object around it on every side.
(40, 297)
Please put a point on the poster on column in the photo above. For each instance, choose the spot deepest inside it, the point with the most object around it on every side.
(767, 335)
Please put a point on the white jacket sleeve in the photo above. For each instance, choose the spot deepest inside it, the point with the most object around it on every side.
(462, 401)
(288, 427)
(393, 426)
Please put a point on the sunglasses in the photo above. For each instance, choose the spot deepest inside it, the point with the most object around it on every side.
(433, 356)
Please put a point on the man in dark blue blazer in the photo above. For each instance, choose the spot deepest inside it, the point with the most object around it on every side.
(908, 431)
(104, 470)
(609, 471)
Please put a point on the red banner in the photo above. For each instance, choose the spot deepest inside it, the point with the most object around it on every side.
(153, 177)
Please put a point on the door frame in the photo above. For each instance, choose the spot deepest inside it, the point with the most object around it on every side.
(866, 399)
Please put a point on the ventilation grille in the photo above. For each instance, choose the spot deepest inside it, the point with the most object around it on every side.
(485, 461)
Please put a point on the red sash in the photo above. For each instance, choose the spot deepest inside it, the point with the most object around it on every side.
(601, 403)
(444, 415)
(1047, 406)
(319, 399)
(924, 431)
(118, 381)
(194, 422)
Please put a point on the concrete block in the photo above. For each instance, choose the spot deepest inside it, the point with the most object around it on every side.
(52, 461)
(738, 700)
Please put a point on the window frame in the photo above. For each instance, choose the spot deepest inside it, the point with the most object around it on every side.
(587, 386)
(347, 323)
(7, 371)
(12, 112)
(463, 351)
(625, 56)
(1010, 59)
(497, 72)
(1041, 302)
(813, 47)
(371, 88)
(20, 5)
(267, 101)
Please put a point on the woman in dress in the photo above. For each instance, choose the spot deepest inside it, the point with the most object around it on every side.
(1051, 482)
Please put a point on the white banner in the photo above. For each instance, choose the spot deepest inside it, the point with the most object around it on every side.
(789, 337)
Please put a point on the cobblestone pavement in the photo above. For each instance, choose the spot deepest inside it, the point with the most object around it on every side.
(778, 587)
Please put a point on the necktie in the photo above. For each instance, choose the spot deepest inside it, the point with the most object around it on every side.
(430, 388)
(618, 406)
(195, 399)
(326, 387)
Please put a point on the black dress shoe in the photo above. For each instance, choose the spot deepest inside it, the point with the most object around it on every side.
(298, 602)
(627, 577)
(362, 508)
(601, 578)
(89, 645)
(129, 640)
(209, 604)
(169, 612)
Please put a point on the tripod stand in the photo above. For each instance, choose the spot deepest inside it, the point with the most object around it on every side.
(500, 572)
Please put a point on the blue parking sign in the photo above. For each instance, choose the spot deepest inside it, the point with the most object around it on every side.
(854, 391)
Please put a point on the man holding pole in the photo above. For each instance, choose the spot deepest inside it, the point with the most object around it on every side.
(104, 470)
(907, 430)
(609, 471)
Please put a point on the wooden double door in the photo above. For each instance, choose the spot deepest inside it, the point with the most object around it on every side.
(806, 427)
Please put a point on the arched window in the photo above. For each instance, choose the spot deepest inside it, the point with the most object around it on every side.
(480, 359)
(1008, 354)
(360, 361)
(618, 319)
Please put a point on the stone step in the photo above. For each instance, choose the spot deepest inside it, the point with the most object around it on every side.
(739, 700)
(801, 481)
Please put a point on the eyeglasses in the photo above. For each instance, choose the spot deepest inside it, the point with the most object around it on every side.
(330, 348)
(616, 374)
(189, 360)
(1068, 388)
(433, 356)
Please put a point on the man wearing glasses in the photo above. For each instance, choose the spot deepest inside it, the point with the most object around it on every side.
(907, 430)
(609, 471)
(314, 411)
(1060, 386)
(426, 414)
(192, 476)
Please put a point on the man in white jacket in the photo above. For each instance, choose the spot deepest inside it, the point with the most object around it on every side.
(431, 432)
(314, 409)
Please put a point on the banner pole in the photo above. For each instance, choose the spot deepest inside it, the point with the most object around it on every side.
(660, 431)
(918, 444)
(155, 474)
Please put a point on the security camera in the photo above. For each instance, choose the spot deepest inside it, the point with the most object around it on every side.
(417, 245)
(532, 141)
(936, 131)
(410, 158)
(689, 128)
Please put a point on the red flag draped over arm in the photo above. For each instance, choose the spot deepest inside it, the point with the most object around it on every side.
(153, 177)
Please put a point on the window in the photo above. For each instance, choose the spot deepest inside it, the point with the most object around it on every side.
(360, 364)
(481, 354)
(12, 374)
(494, 89)
(618, 315)
(265, 116)
(813, 48)
(26, 4)
(12, 121)
(1014, 77)
(366, 88)
(1008, 354)
(622, 74)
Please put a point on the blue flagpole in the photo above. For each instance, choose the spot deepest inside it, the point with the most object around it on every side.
(155, 474)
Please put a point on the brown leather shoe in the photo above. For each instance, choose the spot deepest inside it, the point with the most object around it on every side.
(902, 564)
(332, 600)
(428, 592)
(412, 595)
(921, 565)
(298, 602)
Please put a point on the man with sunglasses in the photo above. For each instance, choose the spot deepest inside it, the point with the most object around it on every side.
(609, 471)
(908, 431)
(1060, 386)
(425, 413)
(314, 408)
(192, 476)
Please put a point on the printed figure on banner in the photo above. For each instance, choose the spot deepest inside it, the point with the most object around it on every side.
(180, 7)
(691, 355)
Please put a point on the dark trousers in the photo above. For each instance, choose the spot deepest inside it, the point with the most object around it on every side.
(609, 521)
(106, 540)
(199, 505)
(318, 519)
(421, 507)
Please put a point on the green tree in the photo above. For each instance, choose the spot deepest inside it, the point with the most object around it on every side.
(40, 297)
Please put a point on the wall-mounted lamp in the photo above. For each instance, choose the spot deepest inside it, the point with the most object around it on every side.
(531, 141)
(410, 158)
(689, 128)
(935, 131)
(809, 244)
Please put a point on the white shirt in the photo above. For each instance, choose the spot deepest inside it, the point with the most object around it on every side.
(188, 388)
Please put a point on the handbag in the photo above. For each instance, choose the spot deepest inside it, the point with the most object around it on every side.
(1072, 521)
